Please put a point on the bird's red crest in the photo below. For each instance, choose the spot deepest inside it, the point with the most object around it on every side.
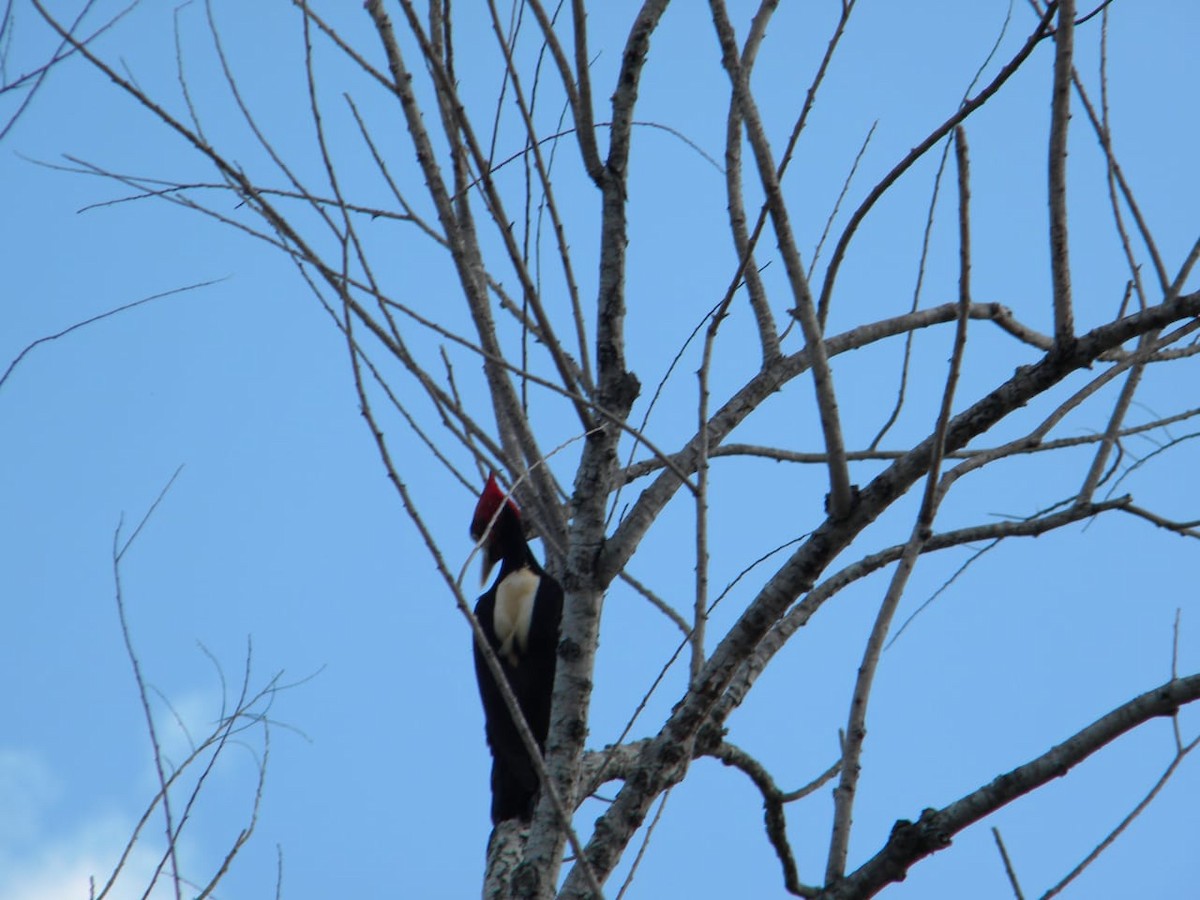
(489, 503)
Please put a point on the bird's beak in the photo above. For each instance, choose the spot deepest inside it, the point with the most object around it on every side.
(486, 566)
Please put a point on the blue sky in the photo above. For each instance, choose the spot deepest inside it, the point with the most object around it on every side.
(282, 529)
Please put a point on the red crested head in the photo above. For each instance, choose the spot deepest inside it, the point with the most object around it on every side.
(489, 503)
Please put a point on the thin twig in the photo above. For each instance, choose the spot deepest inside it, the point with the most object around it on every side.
(1174, 675)
(118, 552)
(840, 493)
(902, 389)
(637, 860)
(922, 531)
(533, 143)
(885, 184)
(1105, 134)
(658, 603)
(1008, 866)
(97, 318)
(1179, 757)
(700, 600)
(38, 75)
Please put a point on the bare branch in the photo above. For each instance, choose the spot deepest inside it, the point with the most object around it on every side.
(97, 318)
(637, 860)
(700, 601)
(797, 575)
(638, 470)
(768, 336)
(551, 205)
(250, 709)
(1115, 422)
(911, 842)
(901, 391)
(773, 815)
(1116, 172)
(837, 204)
(658, 603)
(1180, 754)
(580, 100)
(920, 150)
(621, 546)
(1186, 529)
(118, 551)
(516, 435)
(1008, 867)
(1060, 115)
(35, 78)
(841, 498)
(504, 398)
(1135, 273)
(856, 731)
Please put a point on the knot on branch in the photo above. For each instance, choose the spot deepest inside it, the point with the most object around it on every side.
(576, 731)
(839, 515)
(671, 754)
(936, 837)
(622, 392)
(568, 650)
(709, 738)
(910, 842)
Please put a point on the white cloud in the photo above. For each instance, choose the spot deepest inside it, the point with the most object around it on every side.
(48, 855)
(63, 868)
(64, 863)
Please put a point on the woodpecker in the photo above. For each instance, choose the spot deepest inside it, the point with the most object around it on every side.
(519, 615)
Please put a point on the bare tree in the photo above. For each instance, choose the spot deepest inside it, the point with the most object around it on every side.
(521, 178)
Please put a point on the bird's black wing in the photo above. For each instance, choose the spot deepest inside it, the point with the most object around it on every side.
(542, 656)
(514, 779)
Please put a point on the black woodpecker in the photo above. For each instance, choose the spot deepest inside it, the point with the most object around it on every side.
(520, 615)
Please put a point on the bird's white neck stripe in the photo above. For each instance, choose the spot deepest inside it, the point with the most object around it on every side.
(514, 611)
